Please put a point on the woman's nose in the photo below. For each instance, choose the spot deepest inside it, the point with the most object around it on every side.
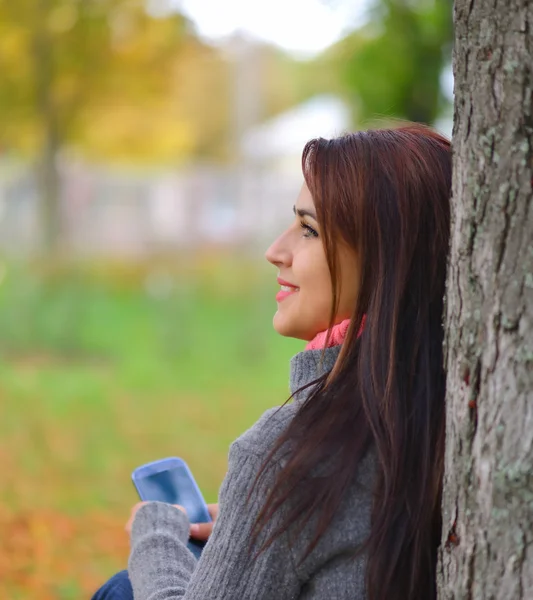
(279, 253)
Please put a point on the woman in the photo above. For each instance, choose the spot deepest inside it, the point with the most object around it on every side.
(337, 495)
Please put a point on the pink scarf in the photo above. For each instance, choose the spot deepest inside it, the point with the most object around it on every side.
(338, 334)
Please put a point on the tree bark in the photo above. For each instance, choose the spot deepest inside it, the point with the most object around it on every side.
(487, 548)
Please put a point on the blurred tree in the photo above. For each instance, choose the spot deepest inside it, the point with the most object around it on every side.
(164, 98)
(286, 81)
(392, 65)
(106, 77)
(111, 81)
(51, 51)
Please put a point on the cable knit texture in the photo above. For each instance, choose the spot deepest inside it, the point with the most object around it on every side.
(162, 568)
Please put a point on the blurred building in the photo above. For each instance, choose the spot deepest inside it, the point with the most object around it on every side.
(278, 142)
(134, 212)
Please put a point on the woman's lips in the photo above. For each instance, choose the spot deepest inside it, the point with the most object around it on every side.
(281, 295)
(287, 289)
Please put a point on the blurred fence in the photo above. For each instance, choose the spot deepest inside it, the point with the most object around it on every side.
(134, 213)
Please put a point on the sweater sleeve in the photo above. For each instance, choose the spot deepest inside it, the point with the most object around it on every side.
(162, 568)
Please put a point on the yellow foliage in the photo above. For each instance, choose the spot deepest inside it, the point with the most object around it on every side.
(122, 131)
(120, 84)
(45, 551)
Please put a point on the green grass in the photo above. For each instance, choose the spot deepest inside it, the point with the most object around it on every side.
(104, 369)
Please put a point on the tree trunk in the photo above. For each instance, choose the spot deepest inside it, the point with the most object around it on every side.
(487, 549)
(48, 184)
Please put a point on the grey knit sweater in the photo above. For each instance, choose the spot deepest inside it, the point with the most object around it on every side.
(162, 568)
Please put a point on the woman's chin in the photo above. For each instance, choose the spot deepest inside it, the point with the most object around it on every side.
(288, 328)
(281, 326)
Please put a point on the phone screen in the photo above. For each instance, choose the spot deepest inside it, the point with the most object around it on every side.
(175, 487)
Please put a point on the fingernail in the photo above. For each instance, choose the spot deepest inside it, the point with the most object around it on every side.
(195, 528)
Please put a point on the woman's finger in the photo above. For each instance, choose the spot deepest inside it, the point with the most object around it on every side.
(213, 511)
(201, 531)
(180, 508)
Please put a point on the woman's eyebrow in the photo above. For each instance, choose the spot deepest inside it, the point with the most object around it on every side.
(303, 212)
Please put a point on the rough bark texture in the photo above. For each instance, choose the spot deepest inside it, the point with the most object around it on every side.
(487, 549)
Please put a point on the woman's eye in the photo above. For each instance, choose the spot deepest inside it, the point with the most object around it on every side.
(308, 231)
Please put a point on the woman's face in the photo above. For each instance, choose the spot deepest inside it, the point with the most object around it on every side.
(306, 295)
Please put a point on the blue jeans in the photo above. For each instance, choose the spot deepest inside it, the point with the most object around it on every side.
(117, 588)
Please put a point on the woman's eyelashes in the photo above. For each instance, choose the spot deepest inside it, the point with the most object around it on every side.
(308, 230)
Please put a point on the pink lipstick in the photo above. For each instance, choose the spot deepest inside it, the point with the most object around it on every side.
(287, 289)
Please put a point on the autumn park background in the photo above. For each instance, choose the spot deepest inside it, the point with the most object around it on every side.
(145, 162)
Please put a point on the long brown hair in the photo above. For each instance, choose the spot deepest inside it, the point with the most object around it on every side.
(385, 193)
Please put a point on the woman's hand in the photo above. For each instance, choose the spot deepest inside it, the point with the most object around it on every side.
(136, 508)
(198, 531)
(202, 531)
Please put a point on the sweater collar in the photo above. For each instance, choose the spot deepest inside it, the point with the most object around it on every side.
(306, 366)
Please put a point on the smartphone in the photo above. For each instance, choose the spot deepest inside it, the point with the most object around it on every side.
(170, 480)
